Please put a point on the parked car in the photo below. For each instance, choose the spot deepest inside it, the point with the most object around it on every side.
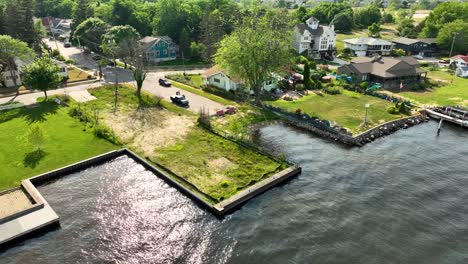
(180, 100)
(67, 44)
(418, 57)
(164, 82)
(229, 110)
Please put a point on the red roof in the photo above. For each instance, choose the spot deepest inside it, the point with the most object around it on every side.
(463, 57)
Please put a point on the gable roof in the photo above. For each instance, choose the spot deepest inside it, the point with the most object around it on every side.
(315, 32)
(459, 56)
(410, 41)
(385, 67)
(367, 41)
(216, 70)
(149, 41)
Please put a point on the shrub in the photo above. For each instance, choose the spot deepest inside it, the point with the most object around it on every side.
(403, 108)
(364, 85)
(224, 184)
(55, 53)
(70, 61)
(392, 110)
(105, 133)
(332, 90)
(300, 87)
(204, 119)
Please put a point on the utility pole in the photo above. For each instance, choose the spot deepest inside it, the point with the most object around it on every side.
(453, 42)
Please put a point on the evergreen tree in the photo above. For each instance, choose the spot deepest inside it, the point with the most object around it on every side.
(212, 33)
(12, 19)
(81, 13)
(2, 20)
(27, 32)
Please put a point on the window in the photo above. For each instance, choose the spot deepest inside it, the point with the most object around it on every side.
(306, 38)
(323, 44)
(364, 77)
(216, 80)
(165, 52)
(62, 69)
(157, 53)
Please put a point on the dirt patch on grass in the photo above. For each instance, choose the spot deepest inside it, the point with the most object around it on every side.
(220, 164)
(149, 128)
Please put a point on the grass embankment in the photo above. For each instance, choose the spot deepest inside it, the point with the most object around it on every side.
(347, 109)
(169, 136)
(200, 92)
(75, 75)
(65, 142)
(453, 91)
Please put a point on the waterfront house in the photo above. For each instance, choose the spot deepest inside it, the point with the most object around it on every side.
(220, 78)
(159, 49)
(423, 47)
(315, 40)
(459, 60)
(389, 72)
(368, 46)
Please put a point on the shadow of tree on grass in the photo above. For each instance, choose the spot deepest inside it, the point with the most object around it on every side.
(33, 158)
(38, 114)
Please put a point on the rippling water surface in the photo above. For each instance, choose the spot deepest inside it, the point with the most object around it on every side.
(401, 199)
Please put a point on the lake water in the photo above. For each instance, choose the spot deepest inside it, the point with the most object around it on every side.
(401, 199)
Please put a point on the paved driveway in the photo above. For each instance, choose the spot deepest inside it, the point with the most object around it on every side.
(196, 101)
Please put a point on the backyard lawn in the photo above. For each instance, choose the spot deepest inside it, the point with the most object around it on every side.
(346, 109)
(65, 142)
(454, 91)
(388, 33)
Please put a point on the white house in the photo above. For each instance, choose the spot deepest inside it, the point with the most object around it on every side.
(218, 77)
(459, 60)
(462, 71)
(7, 76)
(314, 39)
(368, 46)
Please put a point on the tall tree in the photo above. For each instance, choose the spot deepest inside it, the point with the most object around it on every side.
(374, 30)
(10, 49)
(457, 29)
(26, 28)
(2, 20)
(42, 74)
(212, 33)
(82, 12)
(258, 47)
(118, 42)
(90, 33)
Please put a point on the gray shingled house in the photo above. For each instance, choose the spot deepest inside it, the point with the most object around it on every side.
(389, 72)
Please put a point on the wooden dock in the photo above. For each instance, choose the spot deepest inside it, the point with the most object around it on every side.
(455, 116)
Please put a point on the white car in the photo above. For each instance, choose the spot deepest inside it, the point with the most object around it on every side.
(419, 57)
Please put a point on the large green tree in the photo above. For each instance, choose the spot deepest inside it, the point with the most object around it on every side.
(446, 34)
(82, 12)
(366, 16)
(42, 74)
(90, 33)
(343, 22)
(256, 48)
(443, 14)
(11, 49)
(119, 41)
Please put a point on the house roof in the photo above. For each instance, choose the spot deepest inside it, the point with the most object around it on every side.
(459, 56)
(367, 41)
(217, 69)
(385, 67)
(410, 41)
(149, 41)
(315, 32)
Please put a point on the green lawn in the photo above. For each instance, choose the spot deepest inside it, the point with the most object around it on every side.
(65, 142)
(347, 109)
(216, 166)
(454, 91)
(200, 92)
(75, 75)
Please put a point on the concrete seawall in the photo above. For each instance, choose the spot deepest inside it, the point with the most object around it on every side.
(41, 215)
